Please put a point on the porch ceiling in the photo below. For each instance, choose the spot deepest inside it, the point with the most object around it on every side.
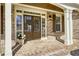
(46, 6)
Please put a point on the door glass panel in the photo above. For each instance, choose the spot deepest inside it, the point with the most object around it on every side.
(37, 24)
(27, 23)
(19, 22)
(43, 27)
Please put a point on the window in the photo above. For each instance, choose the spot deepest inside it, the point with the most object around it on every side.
(43, 27)
(58, 24)
(19, 22)
(18, 25)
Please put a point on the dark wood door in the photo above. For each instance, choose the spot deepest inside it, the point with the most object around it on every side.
(32, 27)
(28, 28)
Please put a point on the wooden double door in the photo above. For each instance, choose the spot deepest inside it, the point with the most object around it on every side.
(32, 27)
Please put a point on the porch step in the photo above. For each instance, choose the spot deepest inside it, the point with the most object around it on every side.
(16, 48)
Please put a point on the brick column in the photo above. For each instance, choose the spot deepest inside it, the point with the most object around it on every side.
(8, 47)
(68, 27)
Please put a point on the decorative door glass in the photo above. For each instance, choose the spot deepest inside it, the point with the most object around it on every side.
(27, 24)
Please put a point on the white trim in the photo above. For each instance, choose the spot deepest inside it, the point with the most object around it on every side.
(8, 37)
(0, 30)
(43, 38)
(71, 28)
(22, 26)
(46, 27)
(68, 27)
(38, 8)
(30, 14)
(61, 5)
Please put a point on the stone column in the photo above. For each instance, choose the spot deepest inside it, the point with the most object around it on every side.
(8, 47)
(68, 27)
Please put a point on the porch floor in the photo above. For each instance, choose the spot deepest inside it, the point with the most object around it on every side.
(42, 48)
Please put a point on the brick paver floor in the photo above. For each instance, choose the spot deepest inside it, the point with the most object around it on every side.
(39, 47)
(42, 48)
(47, 47)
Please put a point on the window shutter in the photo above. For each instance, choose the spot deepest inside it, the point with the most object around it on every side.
(62, 23)
(54, 17)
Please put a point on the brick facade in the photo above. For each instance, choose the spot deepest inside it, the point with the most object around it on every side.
(50, 24)
(76, 26)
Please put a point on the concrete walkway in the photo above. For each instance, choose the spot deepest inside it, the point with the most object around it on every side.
(42, 48)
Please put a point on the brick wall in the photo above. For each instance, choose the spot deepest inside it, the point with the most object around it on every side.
(76, 26)
(50, 24)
